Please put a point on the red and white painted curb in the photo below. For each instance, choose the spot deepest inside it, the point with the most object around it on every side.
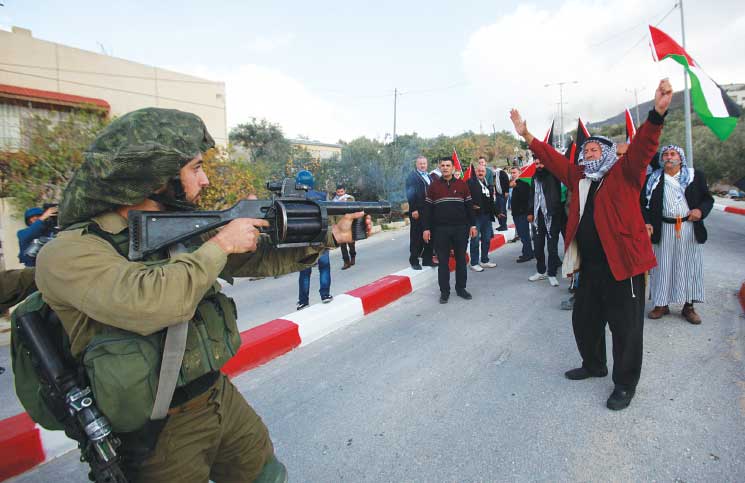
(24, 444)
(729, 209)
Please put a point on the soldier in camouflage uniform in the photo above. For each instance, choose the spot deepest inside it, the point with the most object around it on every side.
(151, 159)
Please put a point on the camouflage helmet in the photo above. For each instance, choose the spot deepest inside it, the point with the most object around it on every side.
(133, 157)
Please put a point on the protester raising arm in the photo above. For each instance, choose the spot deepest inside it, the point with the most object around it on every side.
(554, 161)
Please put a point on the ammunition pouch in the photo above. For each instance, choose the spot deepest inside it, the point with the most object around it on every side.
(123, 367)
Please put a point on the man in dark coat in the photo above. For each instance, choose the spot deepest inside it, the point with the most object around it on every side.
(501, 193)
(484, 208)
(416, 190)
(520, 204)
(547, 212)
(606, 240)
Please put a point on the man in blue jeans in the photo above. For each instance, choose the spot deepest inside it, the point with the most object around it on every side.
(484, 209)
(520, 202)
(324, 266)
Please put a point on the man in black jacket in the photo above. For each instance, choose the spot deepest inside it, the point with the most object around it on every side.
(520, 210)
(417, 183)
(482, 194)
(501, 193)
(675, 202)
(546, 210)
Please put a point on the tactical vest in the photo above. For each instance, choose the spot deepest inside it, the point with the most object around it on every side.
(123, 367)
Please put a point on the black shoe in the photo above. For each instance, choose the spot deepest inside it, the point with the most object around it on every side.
(581, 373)
(620, 398)
(302, 306)
(444, 296)
(522, 259)
(327, 299)
(416, 266)
(502, 228)
(429, 264)
(464, 294)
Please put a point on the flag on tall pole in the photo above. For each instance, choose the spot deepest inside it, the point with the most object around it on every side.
(630, 128)
(715, 108)
(456, 162)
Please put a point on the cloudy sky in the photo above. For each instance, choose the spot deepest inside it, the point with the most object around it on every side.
(328, 69)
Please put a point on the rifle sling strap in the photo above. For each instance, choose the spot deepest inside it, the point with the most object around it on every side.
(173, 355)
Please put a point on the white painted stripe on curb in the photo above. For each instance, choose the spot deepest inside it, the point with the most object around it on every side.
(321, 319)
(418, 278)
(55, 443)
(719, 206)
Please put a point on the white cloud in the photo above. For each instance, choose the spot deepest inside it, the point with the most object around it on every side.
(255, 91)
(510, 60)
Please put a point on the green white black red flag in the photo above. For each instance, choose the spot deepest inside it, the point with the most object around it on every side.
(715, 108)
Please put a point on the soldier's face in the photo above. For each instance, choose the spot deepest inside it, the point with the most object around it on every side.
(194, 179)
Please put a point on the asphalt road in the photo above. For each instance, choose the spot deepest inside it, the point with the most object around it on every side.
(474, 390)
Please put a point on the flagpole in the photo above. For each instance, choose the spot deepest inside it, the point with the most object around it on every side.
(686, 95)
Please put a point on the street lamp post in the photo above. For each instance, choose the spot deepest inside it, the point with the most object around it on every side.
(561, 107)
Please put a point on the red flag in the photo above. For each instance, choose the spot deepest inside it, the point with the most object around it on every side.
(582, 135)
(630, 128)
(549, 139)
(456, 162)
(469, 173)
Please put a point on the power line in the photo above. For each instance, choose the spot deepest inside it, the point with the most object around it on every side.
(127, 76)
(139, 93)
(644, 37)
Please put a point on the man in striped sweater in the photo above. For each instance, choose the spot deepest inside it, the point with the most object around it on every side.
(448, 211)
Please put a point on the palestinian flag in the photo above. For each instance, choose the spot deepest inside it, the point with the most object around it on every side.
(469, 173)
(456, 162)
(630, 128)
(715, 108)
(549, 138)
(526, 175)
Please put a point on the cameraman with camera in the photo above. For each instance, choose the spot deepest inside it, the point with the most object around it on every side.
(40, 225)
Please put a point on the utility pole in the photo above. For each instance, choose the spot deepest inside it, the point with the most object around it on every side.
(636, 102)
(395, 98)
(561, 108)
(686, 95)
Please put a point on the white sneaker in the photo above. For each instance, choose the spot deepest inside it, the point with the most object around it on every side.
(476, 268)
(553, 281)
(488, 264)
(537, 276)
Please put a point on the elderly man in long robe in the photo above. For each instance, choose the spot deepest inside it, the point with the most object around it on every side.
(675, 202)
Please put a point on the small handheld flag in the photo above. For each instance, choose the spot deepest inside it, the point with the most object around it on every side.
(456, 162)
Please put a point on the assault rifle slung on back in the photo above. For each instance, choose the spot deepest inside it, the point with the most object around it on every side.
(294, 221)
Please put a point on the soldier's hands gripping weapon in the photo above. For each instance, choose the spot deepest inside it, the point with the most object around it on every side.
(71, 402)
(294, 221)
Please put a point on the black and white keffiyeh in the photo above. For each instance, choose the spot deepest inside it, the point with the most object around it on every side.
(685, 176)
(595, 170)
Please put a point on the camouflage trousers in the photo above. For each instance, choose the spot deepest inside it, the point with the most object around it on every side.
(221, 438)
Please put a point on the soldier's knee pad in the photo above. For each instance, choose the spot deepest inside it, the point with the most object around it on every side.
(272, 472)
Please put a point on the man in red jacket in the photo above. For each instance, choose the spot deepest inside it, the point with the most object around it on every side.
(607, 242)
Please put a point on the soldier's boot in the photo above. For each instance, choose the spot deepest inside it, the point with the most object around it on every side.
(272, 472)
